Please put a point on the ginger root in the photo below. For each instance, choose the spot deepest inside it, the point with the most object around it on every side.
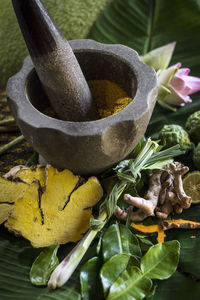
(165, 225)
(56, 213)
(165, 195)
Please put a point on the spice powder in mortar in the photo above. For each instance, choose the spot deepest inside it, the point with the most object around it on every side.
(110, 98)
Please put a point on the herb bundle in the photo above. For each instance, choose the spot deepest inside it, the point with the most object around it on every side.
(128, 173)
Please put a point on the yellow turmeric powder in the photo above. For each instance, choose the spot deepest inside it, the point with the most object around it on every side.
(109, 97)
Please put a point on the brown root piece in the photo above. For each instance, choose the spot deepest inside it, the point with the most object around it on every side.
(164, 211)
(162, 195)
(147, 204)
(178, 169)
(178, 185)
(165, 195)
(180, 223)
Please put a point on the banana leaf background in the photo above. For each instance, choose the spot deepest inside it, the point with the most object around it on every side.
(142, 25)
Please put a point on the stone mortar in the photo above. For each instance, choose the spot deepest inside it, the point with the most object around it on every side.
(87, 147)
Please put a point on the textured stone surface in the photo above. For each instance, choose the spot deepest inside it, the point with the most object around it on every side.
(74, 18)
(55, 63)
(87, 147)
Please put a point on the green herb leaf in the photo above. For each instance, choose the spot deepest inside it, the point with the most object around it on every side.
(131, 284)
(112, 269)
(145, 244)
(33, 160)
(89, 278)
(44, 264)
(189, 240)
(161, 260)
(119, 239)
(179, 287)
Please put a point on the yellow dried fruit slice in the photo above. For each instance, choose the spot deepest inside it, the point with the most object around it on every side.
(5, 209)
(9, 192)
(191, 186)
(13, 185)
(27, 175)
(58, 215)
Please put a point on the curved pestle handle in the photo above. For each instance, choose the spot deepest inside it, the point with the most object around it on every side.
(55, 63)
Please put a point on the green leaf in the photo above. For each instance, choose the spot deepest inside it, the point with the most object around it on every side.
(33, 160)
(177, 287)
(131, 285)
(159, 58)
(140, 25)
(149, 24)
(119, 239)
(16, 257)
(112, 269)
(89, 278)
(145, 244)
(161, 260)
(189, 240)
(44, 264)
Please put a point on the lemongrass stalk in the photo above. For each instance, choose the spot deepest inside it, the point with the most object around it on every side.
(10, 128)
(7, 122)
(14, 142)
(65, 269)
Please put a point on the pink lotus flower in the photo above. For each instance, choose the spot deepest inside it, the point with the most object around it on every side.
(182, 86)
(175, 86)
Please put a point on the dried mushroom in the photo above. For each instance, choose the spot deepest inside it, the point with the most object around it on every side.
(57, 213)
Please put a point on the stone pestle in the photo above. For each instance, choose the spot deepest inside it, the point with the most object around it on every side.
(55, 63)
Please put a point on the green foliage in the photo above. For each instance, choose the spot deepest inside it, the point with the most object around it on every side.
(16, 258)
(44, 264)
(118, 239)
(122, 274)
(89, 278)
(113, 268)
(148, 24)
(143, 25)
(33, 160)
(161, 260)
(190, 242)
(177, 287)
(132, 284)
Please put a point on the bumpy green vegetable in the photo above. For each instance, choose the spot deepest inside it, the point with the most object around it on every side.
(171, 135)
(193, 126)
(196, 156)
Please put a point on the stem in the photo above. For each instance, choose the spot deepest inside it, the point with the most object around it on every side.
(16, 141)
(7, 122)
(65, 269)
(9, 128)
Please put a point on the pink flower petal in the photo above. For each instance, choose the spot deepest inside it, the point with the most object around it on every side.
(177, 65)
(193, 83)
(183, 71)
(177, 99)
(180, 86)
